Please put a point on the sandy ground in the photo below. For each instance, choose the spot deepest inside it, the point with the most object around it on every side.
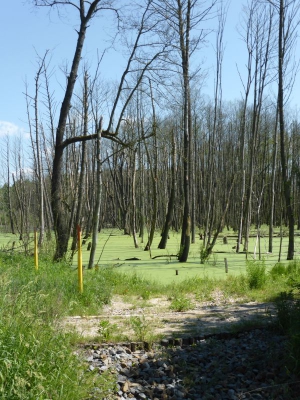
(160, 321)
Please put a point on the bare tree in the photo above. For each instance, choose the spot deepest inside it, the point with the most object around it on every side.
(9, 201)
(182, 18)
(258, 39)
(288, 22)
(217, 123)
(35, 129)
(87, 10)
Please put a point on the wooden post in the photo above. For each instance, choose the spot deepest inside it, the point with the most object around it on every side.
(36, 251)
(80, 275)
(176, 271)
(226, 265)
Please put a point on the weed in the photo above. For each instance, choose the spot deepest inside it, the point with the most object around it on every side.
(180, 304)
(288, 313)
(293, 268)
(140, 327)
(36, 360)
(278, 271)
(256, 274)
(106, 330)
(235, 285)
(146, 295)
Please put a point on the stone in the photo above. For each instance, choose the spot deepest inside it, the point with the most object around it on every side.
(223, 367)
(126, 386)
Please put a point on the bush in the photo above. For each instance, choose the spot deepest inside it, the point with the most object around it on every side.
(140, 327)
(256, 274)
(278, 271)
(288, 314)
(293, 268)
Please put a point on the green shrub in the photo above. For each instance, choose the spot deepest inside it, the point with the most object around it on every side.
(256, 274)
(140, 327)
(278, 270)
(107, 330)
(288, 314)
(146, 295)
(293, 268)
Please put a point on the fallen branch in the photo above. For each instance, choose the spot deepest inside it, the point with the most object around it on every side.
(166, 255)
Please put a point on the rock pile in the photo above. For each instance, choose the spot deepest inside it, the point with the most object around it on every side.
(248, 365)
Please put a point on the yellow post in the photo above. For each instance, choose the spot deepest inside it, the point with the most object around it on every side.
(36, 251)
(80, 276)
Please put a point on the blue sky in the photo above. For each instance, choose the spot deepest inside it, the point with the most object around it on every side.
(26, 32)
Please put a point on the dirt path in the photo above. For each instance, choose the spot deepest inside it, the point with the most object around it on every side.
(203, 318)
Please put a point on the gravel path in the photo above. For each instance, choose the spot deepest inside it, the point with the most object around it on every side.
(202, 319)
(246, 365)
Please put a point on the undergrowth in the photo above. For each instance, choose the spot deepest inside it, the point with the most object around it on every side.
(37, 360)
(288, 310)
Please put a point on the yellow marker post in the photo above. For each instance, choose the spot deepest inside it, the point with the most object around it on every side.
(80, 275)
(36, 251)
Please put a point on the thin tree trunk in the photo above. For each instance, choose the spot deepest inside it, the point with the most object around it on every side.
(184, 36)
(12, 227)
(82, 164)
(284, 168)
(273, 179)
(134, 200)
(153, 172)
(96, 213)
(171, 203)
(222, 222)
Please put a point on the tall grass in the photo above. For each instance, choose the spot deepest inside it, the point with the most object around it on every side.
(37, 360)
(288, 309)
(256, 274)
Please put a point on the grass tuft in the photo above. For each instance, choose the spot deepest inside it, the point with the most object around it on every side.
(181, 304)
(256, 274)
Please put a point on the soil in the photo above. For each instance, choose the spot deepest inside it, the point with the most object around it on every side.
(218, 315)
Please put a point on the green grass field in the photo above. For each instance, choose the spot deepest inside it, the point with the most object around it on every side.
(114, 249)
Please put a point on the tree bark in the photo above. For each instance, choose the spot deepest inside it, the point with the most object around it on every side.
(59, 211)
(284, 168)
(96, 213)
(169, 217)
